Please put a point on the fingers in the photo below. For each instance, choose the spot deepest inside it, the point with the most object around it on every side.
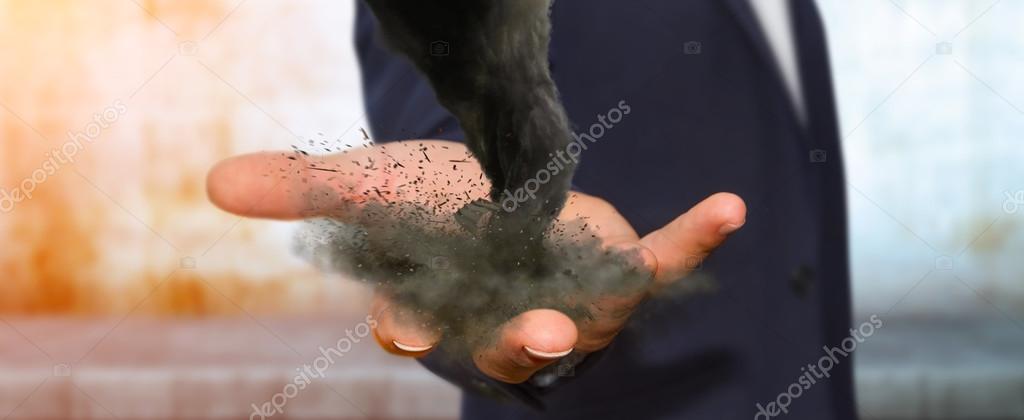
(668, 254)
(609, 313)
(400, 332)
(278, 185)
(526, 344)
(686, 241)
(288, 186)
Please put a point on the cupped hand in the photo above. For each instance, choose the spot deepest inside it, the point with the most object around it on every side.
(290, 186)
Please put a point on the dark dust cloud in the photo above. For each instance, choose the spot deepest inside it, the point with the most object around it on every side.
(462, 263)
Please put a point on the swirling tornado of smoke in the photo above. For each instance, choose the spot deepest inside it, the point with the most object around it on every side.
(494, 77)
(466, 275)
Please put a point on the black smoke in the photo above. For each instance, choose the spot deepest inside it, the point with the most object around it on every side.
(467, 272)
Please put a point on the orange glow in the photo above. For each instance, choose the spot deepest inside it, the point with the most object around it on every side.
(119, 228)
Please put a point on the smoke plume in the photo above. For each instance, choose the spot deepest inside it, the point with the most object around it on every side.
(466, 272)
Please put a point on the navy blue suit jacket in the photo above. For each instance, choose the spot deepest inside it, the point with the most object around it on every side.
(709, 113)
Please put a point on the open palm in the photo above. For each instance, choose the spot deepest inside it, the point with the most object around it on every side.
(443, 175)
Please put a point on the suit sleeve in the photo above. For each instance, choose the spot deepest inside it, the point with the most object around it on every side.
(400, 103)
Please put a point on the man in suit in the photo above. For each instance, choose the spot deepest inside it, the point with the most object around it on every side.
(722, 95)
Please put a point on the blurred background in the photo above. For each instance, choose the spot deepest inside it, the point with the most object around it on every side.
(126, 294)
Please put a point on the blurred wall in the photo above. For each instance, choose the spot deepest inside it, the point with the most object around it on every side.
(932, 111)
(932, 107)
(113, 111)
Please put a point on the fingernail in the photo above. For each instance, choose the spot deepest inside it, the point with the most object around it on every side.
(546, 355)
(411, 349)
(729, 228)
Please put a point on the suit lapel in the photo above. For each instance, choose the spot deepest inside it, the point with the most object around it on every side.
(745, 16)
(748, 21)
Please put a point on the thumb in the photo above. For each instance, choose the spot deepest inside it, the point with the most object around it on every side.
(278, 185)
(683, 244)
(294, 186)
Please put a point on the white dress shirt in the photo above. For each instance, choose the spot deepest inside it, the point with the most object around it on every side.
(776, 23)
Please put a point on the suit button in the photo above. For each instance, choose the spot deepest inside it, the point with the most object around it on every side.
(801, 280)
